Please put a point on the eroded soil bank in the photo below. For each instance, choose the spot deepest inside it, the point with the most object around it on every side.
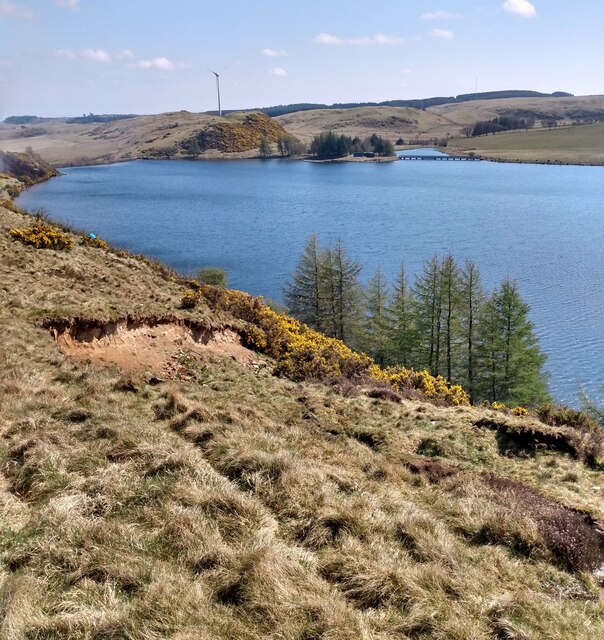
(156, 344)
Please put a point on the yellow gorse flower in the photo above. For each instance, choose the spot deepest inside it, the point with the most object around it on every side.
(43, 236)
(301, 353)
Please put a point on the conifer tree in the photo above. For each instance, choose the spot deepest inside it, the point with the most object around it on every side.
(265, 147)
(304, 294)
(427, 293)
(450, 299)
(324, 291)
(375, 336)
(471, 300)
(343, 294)
(400, 322)
(514, 360)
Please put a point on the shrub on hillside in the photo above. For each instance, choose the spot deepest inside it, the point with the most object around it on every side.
(188, 299)
(11, 206)
(302, 353)
(432, 387)
(557, 416)
(214, 276)
(43, 236)
(93, 241)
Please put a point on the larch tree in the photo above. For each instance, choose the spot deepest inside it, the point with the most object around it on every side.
(450, 298)
(471, 300)
(427, 293)
(305, 294)
(375, 337)
(343, 293)
(400, 322)
(265, 147)
(514, 362)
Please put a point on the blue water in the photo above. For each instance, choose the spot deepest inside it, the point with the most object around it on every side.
(541, 225)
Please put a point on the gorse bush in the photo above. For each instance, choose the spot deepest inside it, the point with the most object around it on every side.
(188, 299)
(301, 353)
(97, 243)
(432, 387)
(43, 236)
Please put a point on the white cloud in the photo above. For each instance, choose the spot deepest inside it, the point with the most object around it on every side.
(274, 53)
(378, 38)
(96, 55)
(74, 5)
(439, 15)
(12, 10)
(279, 71)
(443, 34)
(521, 8)
(124, 54)
(160, 64)
(64, 54)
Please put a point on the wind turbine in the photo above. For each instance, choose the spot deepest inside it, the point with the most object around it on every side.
(218, 90)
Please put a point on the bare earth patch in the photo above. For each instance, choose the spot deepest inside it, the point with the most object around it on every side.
(152, 344)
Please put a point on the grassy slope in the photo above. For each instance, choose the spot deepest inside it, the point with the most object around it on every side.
(145, 135)
(394, 122)
(576, 107)
(571, 144)
(63, 144)
(238, 505)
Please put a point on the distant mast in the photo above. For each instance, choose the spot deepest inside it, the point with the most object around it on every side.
(218, 90)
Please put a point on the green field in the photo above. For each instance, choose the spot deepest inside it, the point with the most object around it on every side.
(582, 144)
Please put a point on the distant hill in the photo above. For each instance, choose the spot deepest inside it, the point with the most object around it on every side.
(423, 103)
(183, 134)
(21, 170)
(84, 119)
(175, 135)
(91, 118)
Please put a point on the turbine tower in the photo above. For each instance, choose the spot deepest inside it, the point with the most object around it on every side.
(218, 90)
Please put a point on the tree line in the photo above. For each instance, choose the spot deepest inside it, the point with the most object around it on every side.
(444, 321)
(502, 123)
(329, 145)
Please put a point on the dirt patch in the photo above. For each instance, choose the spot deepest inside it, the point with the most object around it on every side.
(155, 344)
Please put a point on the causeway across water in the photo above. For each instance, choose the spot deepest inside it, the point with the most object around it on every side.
(443, 157)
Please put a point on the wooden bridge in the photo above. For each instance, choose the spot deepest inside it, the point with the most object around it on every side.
(418, 157)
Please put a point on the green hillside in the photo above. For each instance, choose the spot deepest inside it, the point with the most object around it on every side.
(571, 144)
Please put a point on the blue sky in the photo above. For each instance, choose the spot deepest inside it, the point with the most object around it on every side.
(68, 57)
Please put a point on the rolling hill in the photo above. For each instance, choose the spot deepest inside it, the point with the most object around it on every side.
(167, 135)
(170, 135)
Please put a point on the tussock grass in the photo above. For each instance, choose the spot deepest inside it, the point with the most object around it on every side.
(239, 505)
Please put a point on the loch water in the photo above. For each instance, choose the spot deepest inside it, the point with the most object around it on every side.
(542, 225)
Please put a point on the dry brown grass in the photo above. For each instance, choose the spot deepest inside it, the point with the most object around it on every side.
(238, 505)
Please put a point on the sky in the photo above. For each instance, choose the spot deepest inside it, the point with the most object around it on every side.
(69, 57)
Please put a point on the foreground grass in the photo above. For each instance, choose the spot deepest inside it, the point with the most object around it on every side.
(232, 504)
(582, 144)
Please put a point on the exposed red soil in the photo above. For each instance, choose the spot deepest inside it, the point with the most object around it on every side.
(157, 345)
